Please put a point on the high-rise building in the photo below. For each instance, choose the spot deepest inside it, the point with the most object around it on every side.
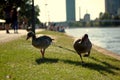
(70, 10)
(87, 17)
(112, 7)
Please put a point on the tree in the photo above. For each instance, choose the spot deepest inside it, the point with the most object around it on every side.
(116, 20)
(25, 7)
(105, 19)
(109, 20)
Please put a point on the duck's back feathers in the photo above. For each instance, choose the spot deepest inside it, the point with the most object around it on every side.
(46, 37)
(42, 42)
(82, 46)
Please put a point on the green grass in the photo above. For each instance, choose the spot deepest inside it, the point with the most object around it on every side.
(19, 60)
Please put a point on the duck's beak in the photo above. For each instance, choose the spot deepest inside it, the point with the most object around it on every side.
(27, 38)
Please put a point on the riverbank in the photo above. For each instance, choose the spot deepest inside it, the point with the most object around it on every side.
(102, 50)
(106, 52)
(19, 60)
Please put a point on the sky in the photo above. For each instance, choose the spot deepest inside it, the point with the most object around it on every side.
(55, 10)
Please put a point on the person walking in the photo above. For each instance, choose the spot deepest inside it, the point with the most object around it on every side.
(7, 11)
(14, 19)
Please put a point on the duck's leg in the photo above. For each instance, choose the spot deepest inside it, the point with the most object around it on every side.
(42, 52)
(81, 58)
(86, 55)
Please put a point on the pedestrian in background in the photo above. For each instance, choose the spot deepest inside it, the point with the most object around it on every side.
(14, 19)
(7, 12)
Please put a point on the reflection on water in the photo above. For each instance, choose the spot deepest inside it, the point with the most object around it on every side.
(108, 38)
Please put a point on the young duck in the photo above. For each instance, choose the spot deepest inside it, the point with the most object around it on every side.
(41, 43)
(82, 46)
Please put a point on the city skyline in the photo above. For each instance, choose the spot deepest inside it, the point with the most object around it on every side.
(55, 10)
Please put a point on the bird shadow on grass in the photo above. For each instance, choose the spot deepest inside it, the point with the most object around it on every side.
(101, 67)
(66, 49)
(46, 60)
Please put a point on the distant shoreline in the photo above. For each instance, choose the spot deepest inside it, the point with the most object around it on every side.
(94, 27)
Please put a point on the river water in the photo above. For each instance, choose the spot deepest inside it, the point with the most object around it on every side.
(108, 38)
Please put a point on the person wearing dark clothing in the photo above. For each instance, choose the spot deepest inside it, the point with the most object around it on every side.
(14, 20)
(7, 11)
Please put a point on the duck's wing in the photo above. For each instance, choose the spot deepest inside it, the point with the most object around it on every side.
(81, 46)
(77, 44)
(42, 42)
(47, 38)
(77, 41)
(89, 44)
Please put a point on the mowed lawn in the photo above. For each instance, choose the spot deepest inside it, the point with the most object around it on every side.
(19, 60)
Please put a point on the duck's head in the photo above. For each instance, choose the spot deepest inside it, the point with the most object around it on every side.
(30, 34)
(85, 37)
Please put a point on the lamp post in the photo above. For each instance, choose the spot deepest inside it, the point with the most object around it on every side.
(46, 14)
(79, 13)
(33, 17)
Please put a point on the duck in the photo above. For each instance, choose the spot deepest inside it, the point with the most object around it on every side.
(42, 42)
(83, 45)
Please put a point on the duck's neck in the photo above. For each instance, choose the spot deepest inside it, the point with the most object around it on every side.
(33, 37)
(34, 40)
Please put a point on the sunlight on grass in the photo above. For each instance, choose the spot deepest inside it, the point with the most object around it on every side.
(19, 60)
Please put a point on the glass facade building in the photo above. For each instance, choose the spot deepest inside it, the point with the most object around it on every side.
(70, 10)
(112, 6)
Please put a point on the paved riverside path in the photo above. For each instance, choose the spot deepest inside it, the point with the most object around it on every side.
(12, 36)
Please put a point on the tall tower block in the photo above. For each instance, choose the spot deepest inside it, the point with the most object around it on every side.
(70, 10)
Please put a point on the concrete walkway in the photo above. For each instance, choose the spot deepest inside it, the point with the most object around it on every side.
(8, 37)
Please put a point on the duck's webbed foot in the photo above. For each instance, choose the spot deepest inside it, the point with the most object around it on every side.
(86, 55)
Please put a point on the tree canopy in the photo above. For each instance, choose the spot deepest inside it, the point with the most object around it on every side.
(25, 9)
